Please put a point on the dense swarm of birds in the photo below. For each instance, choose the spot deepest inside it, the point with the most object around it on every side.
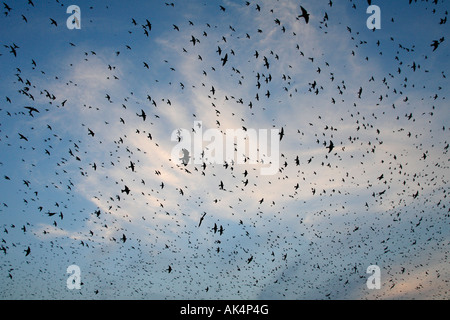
(87, 176)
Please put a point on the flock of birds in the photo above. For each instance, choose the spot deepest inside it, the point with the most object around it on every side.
(362, 179)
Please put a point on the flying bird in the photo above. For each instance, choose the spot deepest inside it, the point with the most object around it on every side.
(304, 14)
(330, 147)
(201, 219)
(142, 115)
(31, 110)
(224, 59)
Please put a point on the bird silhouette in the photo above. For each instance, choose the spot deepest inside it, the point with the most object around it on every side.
(201, 219)
(304, 15)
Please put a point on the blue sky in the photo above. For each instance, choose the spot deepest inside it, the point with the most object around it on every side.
(320, 224)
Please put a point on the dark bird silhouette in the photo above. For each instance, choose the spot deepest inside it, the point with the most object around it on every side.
(31, 110)
(304, 15)
(148, 24)
(53, 22)
(281, 133)
(126, 190)
(435, 44)
(6, 6)
(330, 146)
(224, 59)
(194, 40)
(201, 219)
(142, 115)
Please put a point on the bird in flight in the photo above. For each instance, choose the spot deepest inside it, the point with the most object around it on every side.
(224, 59)
(148, 24)
(330, 146)
(435, 44)
(281, 133)
(31, 110)
(131, 166)
(126, 190)
(201, 219)
(142, 115)
(304, 15)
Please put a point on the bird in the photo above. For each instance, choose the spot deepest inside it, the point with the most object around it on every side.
(126, 190)
(31, 110)
(148, 24)
(330, 147)
(132, 166)
(142, 115)
(304, 15)
(224, 59)
(53, 22)
(201, 219)
(435, 44)
(194, 40)
(281, 133)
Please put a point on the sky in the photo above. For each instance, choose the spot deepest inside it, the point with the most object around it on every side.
(85, 180)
